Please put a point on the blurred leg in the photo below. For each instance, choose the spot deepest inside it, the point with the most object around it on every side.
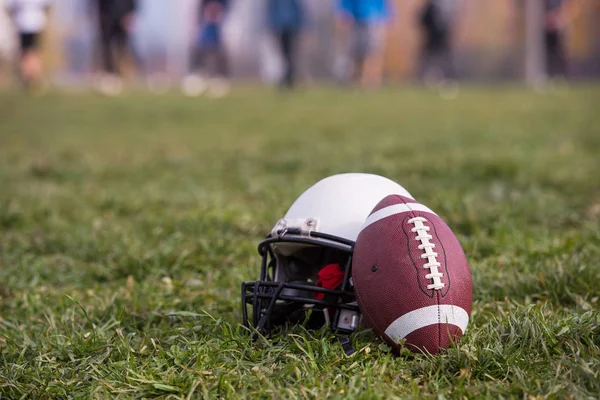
(222, 62)
(372, 72)
(217, 67)
(434, 63)
(447, 63)
(194, 84)
(110, 83)
(288, 45)
(555, 54)
(342, 64)
(30, 64)
(122, 47)
(196, 60)
(106, 51)
(128, 50)
(108, 61)
(359, 49)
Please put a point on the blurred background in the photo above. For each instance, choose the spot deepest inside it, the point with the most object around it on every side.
(487, 40)
(127, 223)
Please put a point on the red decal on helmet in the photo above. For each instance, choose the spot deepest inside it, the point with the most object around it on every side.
(330, 277)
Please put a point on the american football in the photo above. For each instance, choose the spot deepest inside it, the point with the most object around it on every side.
(411, 276)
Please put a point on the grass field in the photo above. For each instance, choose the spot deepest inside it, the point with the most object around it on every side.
(127, 225)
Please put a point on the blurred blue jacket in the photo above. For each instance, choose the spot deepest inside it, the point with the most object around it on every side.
(366, 11)
(285, 15)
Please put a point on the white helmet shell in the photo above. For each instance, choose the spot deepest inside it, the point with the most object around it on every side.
(338, 205)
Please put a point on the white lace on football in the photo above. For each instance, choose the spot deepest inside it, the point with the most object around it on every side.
(432, 264)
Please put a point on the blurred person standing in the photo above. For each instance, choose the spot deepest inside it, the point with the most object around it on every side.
(437, 21)
(285, 19)
(361, 28)
(556, 19)
(30, 18)
(209, 64)
(116, 19)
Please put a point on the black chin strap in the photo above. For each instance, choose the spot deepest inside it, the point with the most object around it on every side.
(347, 345)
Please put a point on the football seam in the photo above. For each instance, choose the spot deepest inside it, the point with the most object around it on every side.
(417, 267)
(439, 336)
(414, 214)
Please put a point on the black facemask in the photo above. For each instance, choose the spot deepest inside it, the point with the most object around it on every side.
(287, 291)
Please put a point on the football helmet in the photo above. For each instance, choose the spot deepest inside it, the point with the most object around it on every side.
(305, 273)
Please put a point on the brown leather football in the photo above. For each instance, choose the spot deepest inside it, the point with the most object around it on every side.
(411, 276)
